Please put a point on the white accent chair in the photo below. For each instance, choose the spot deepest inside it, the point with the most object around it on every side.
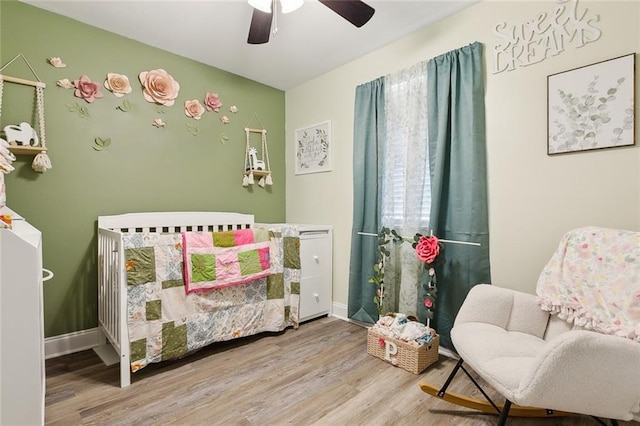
(576, 346)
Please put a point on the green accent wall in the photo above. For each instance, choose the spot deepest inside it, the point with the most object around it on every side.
(145, 168)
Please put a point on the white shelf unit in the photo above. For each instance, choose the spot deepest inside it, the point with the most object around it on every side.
(22, 373)
(316, 269)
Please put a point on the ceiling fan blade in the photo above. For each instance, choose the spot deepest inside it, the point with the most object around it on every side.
(355, 11)
(260, 27)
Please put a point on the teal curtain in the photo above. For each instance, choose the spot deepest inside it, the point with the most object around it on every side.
(367, 165)
(457, 160)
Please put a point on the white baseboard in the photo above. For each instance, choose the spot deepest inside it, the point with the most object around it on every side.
(339, 310)
(69, 343)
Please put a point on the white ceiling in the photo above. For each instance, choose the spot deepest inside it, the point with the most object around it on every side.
(310, 41)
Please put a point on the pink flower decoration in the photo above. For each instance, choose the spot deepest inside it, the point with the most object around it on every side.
(427, 249)
(212, 101)
(193, 109)
(381, 342)
(428, 303)
(159, 87)
(86, 89)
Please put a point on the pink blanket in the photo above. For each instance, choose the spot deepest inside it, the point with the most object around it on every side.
(221, 259)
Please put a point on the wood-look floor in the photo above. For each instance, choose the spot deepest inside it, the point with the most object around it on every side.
(319, 374)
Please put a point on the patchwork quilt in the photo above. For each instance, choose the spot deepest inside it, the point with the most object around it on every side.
(222, 259)
(164, 321)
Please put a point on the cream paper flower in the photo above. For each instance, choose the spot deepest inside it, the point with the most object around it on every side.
(65, 83)
(233, 109)
(224, 119)
(159, 87)
(118, 84)
(159, 123)
(193, 109)
(57, 62)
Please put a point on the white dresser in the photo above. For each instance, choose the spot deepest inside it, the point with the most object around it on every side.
(316, 269)
(22, 373)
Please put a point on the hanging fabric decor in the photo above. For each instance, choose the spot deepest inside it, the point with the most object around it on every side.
(41, 162)
(255, 168)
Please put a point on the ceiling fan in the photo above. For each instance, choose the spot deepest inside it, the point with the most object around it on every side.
(355, 11)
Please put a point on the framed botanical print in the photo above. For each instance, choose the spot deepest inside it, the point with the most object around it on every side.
(592, 107)
(313, 148)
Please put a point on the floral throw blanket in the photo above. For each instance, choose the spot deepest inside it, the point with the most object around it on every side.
(221, 259)
(593, 281)
(165, 322)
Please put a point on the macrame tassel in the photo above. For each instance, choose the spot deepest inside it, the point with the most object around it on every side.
(41, 163)
(269, 181)
(251, 181)
(261, 182)
(245, 181)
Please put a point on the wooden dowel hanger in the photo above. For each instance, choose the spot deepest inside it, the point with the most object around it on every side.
(248, 129)
(22, 81)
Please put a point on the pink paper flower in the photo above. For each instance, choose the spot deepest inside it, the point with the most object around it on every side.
(427, 249)
(428, 303)
(159, 87)
(381, 342)
(118, 84)
(212, 101)
(193, 109)
(86, 89)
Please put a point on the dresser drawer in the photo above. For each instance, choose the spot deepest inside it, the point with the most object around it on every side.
(315, 297)
(315, 255)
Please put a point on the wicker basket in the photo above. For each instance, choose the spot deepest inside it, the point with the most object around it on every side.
(409, 357)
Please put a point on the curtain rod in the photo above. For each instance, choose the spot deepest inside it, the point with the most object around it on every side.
(369, 234)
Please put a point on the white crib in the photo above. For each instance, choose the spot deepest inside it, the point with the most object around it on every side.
(112, 291)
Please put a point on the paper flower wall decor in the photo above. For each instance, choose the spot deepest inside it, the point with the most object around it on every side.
(87, 89)
(118, 84)
(64, 83)
(212, 101)
(159, 87)
(233, 109)
(193, 109)
(159, 123)
(57, 62)
(224, 119)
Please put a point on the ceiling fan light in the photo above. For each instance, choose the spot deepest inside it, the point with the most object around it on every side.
(290, 5)
(262, 5)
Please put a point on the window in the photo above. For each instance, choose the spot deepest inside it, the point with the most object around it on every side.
(406, 186)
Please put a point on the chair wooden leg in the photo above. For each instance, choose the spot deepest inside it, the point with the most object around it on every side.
(504, 413)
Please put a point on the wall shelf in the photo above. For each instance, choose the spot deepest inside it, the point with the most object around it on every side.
(258, 173)
(26, 150)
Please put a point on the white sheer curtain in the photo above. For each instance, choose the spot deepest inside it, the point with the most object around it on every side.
(406, 199)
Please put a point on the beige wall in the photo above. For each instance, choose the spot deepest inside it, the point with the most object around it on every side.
(533, 198)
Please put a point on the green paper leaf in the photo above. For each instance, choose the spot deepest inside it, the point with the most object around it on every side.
(100, 144)
(126, 106)
(192, 129)
(224, 138)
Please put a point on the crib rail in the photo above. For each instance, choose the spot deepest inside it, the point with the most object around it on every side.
(112, 298)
